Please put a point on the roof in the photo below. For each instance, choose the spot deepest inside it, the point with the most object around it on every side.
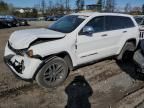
(97, 13)
(85, 13)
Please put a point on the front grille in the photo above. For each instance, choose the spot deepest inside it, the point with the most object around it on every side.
(18, 52)
(141, 35)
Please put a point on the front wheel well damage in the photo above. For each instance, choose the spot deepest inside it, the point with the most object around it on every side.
(63, 55)
(67, 59)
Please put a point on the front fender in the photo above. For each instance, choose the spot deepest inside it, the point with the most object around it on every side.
(55, 47)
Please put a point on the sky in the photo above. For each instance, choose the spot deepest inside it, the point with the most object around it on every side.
(31, 3)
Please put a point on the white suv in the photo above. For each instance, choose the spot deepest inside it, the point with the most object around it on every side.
(48, 54)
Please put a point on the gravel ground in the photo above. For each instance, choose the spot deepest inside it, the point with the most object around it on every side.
(110, 84)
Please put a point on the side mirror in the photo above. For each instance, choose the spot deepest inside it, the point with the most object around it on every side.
(88, 30)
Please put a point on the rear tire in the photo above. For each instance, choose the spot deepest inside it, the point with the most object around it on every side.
(53, 73)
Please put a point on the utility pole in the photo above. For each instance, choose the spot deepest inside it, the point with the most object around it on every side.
(127, 8)
(99, 5)
(67, 5)
(43, 5)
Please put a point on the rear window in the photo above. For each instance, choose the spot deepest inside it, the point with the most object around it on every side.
(118, 22)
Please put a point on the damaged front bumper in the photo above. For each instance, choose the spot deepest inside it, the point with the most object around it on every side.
(22, 66)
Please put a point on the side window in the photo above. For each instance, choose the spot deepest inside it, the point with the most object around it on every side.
(113, 23)
(127, 22)
(97, 23)
(118, 22)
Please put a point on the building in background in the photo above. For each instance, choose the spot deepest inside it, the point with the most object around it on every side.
(23, 10)
(95, 7)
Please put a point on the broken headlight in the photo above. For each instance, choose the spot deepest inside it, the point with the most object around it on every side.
(30, 53)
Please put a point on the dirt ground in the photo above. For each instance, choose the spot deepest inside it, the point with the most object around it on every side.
(105, 84)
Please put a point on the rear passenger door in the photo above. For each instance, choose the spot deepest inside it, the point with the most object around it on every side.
(118, 28)
(114, 28)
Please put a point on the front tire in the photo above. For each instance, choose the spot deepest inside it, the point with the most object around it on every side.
(53, 73)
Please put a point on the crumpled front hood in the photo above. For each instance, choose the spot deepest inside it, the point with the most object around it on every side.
(22, 39)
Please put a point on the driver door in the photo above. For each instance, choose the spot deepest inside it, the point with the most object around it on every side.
(96, 45)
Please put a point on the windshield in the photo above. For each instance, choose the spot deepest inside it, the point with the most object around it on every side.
(67, 24)
(140, 21)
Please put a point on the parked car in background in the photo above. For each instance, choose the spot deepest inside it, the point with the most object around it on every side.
(59, 16)
(12, 20)
(53, 18)
(50, 18)
(1, 24)
(22, 22)
(41, 18)
(4, 23)
(31, 19)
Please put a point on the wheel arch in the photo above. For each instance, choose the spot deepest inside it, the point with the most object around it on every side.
(127, 47)
(65, 55)
(133, 40)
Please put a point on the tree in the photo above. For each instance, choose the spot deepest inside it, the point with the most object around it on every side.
(34, 13)
(62, 8)
(99, 5)
(50, 4)
(127, 8)
(110, 6)
(80, 4)
(136, 11)
(67, 4)
(43, 5)
(3, 7)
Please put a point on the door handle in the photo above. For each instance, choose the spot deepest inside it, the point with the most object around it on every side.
(104, 35)
(124, 31)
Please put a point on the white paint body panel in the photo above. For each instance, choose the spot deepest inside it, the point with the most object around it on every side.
(21, 39)
(30, 64)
